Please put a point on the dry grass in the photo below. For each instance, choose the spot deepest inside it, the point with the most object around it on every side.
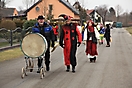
(129, 29)
(10, 54)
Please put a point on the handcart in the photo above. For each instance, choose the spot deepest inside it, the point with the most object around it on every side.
(33, 46)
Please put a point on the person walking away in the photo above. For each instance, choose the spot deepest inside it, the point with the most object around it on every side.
(68, 35)
(46, 30)
(91, 36)
(107, 35)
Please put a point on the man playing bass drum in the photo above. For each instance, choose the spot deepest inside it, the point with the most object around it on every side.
(46, 30)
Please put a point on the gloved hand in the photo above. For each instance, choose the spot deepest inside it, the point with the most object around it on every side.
(79, 44)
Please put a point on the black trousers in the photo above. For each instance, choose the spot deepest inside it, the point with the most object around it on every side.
(53, 41)
(47, 57)
(108, 40)
(73, 55)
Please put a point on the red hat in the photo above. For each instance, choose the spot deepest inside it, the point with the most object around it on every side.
(90, 21)
(66, 17)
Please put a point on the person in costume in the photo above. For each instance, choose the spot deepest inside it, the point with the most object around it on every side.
(55, 30)
(101, 31)
(46, 30)
(69, 42)
(91, 36)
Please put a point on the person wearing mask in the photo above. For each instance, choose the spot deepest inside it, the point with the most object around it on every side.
(69, 42)
(46, 30)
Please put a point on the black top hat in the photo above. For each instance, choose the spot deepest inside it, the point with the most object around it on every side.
(40, 17)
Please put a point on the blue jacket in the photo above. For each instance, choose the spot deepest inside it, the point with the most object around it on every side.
(45, 30)
(102, 31)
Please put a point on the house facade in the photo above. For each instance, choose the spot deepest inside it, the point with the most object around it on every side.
(95, 16)
(54, 7)
(8, 12)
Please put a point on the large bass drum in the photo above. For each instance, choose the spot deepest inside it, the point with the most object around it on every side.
(34, 45)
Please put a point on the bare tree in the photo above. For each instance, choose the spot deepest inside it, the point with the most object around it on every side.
(125, 19)
(20, 8)
(119, 10)
(4, 2)
(111, 14)
(44, 7)
(131, 15)
(102, 10)
(28, 3)
(112, 11)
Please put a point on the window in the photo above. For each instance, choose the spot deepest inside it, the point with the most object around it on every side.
(50, 7)
(37, 8)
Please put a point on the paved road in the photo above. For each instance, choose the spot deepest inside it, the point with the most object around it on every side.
(113, 68)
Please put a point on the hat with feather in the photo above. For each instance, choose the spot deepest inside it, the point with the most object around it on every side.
(65, 17)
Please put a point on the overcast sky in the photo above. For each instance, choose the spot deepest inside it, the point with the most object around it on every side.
(88, 4)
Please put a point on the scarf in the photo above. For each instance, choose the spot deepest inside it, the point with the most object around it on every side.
(91, 28)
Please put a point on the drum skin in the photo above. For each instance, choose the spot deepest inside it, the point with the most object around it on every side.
(34, 45)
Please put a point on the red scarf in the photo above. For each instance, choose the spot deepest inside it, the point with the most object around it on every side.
(91, 28)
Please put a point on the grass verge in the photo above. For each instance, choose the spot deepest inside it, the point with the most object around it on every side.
(2, 44)
(10, 54)
(129, 29)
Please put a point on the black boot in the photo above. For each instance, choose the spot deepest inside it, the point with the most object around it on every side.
(47, 68)
(94, 59)
(38, 70)
(91, 59)
(73, 69)
(68, 68)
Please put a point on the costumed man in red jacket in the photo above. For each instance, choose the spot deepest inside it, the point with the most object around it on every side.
(55, 30)
(68, 41)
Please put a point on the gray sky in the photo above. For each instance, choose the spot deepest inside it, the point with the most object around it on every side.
(88, 4)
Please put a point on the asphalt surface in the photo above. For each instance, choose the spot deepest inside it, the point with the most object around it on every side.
(113, 68)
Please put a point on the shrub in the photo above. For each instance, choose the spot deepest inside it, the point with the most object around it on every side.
(29, 23)
(19, 22)
(8, 24)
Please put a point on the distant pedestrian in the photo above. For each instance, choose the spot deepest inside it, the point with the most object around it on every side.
(101, 32)
(107, 35)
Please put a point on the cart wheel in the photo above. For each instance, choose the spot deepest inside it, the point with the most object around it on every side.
(42, 73)
(23, 73)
